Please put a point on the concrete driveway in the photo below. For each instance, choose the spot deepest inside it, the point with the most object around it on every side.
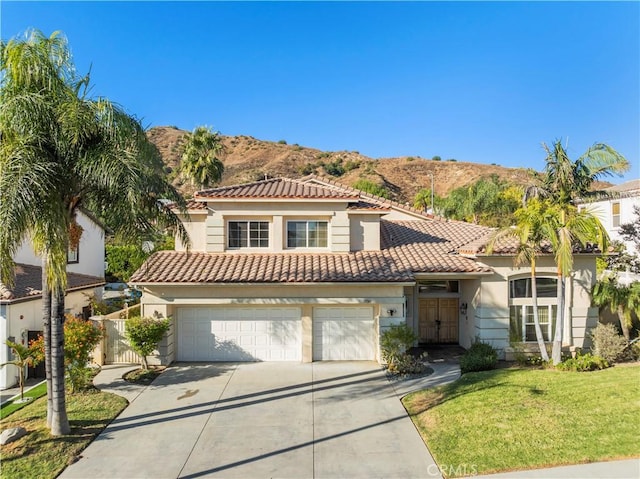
(261, 420)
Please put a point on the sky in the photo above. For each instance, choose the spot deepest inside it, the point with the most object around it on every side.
(485, 82)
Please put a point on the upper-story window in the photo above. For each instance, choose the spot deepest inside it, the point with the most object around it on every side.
(307, 234)
(248, 234)
(615, 214)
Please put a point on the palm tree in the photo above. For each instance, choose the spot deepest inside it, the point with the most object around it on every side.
(201, 158)
(24, 356)
(534, 223)
(563, 182)
(621, 299)
(62, 151)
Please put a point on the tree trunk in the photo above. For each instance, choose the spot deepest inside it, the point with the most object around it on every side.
(59, 419)
(145, 365)
(624, 325)
(46, 335)
(556, 351)
(536, 316)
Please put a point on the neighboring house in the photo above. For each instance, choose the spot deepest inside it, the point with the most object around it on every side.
(21, 305)
(614, 206)
(308, 270)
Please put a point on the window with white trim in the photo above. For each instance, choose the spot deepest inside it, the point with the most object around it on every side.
(615, 214)
(248, 234)
(521, 323)
(307, 234)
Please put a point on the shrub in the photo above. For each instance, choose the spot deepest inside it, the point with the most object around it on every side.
(607, 343)
(583, 362)
(335, 168)
(394, 343)
(436, 158)
(282, 142)
(479, 357)
(144, 334)
(80, 339)
(370, 187)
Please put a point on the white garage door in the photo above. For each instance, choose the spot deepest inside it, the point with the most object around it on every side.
(239, 334)
(343, 334)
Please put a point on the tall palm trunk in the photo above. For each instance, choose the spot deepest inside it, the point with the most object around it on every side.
(59, 419)
(536, 315)
(46, 334)
(556, 351)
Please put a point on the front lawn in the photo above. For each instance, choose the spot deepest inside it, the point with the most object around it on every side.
(511, 419)
(38, 454)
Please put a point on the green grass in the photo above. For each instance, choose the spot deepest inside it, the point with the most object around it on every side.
(12, 406)
(511, 419)
(39, 454)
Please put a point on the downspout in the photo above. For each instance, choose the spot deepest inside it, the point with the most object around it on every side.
(568, 322)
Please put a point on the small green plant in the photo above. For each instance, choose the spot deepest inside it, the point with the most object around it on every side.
(479, 357)
(144, 334)
(607, 343)
(436, 158)
(282, 142)
(583, 362)
(24, 356)
(394, 343)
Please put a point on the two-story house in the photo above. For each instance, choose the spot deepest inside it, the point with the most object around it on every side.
(614, 206)
(21, 305)
(309, 270)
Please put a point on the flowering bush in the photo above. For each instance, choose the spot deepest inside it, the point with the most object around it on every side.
(80, 339)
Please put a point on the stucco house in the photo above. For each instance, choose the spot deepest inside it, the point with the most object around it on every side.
(614, 206)
(21, 305)
(309, 270)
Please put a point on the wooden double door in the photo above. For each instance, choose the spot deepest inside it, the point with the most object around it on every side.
(438, 320)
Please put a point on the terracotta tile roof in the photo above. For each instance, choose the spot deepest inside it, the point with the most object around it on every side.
(276, 188)
(408, 247)
(28, 282)
(182, 267)
(432, 246)
(383, 202)
(196, 205)
(367, 205)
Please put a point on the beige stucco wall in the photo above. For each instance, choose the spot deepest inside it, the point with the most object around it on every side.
(197, 229)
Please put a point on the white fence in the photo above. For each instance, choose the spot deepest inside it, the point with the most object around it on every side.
(117, 349)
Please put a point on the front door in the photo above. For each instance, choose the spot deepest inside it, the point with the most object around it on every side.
(438, 320)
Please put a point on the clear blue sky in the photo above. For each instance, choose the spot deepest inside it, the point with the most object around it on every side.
(482, 82)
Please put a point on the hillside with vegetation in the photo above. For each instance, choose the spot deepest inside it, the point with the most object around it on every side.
(248, 159)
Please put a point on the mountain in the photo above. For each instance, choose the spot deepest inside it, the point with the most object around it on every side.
(248, 159)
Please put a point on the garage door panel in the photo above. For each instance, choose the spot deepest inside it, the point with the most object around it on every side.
(239, 334)
(343, 334)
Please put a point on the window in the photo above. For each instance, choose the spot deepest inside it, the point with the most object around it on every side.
(521, 323)
(615, 214)
(521, 288)
(522, 326)
(307, 234)
(438, 286)
(73, 255)
(248, 234)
